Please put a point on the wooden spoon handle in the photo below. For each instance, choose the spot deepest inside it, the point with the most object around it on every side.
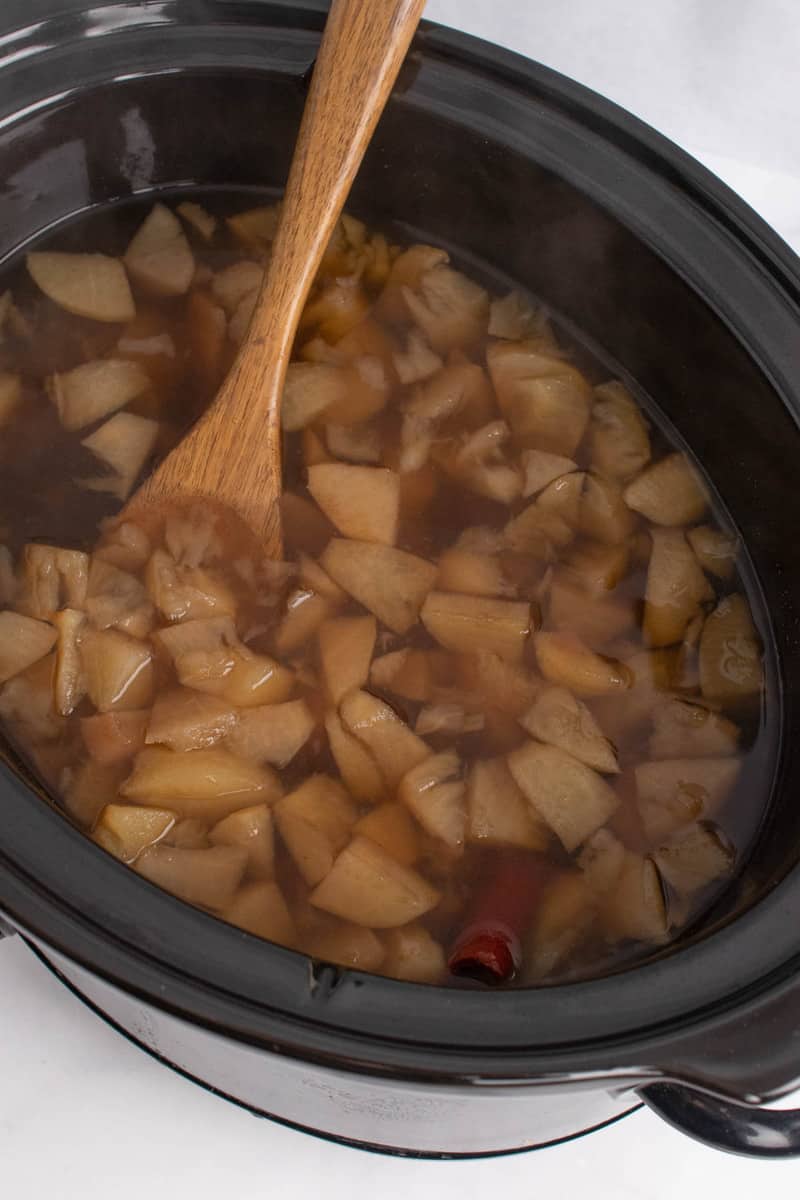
(363, 49)
(232, 454)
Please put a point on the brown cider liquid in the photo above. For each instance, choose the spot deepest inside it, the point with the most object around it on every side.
(40, 502)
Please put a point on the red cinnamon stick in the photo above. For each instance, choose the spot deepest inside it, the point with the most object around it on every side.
(489, 947)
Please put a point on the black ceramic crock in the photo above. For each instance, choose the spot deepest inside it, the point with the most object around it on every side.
(680, 286)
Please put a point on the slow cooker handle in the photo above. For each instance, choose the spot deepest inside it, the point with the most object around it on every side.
(725, 1125)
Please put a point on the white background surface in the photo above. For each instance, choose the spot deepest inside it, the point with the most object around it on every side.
(85, 1115)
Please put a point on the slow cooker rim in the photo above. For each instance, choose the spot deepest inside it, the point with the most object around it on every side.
(22, 896)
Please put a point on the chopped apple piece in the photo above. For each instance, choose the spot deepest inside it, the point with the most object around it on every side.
(209, 657)
(472, 573)
(715, 551)
(509, 687)
(69, 684)
(559, 719)
(394, 746)
(668, 493)
(547, 401)
(563, 497)
(23, 641)
(88, 788)
(458, 388)
(695, 857)
(362, 502)
(601, 860)
(599, 568)
(188, 834)
(89, 285)
(115, 737)
(347, 944)
(233, 284)
(497, 812)
(184, 593)
(604, 515)
(572, 798)
(406, 271)
(513, 317)
(405, 672)
(345, 648)
(676, 587)
(339, 306)
(414, 955)
(685, 730)
(272, 733)
(619, 443)
(8, 578)
(595, 619)
(451, 310)
(314, 822)
(251, 828)
(434, 792)
(565, 915)
(470, 623)
(10, 396)
(542, 468)
(204, 784)
(636, 907)
(124, 444)
(417, 361)
(319, 581)
(537, 532)
(357, 766)
(125, 830)
(392, 827)
(205, 877)
(116, 599)
(159, 258)
(260, 909)
(305, 612)
(256, 227)
(200, 219)
(310, 390)
(51, 578)
(673, 792)
(730, 654)
(366, 885)
(565, 660)
(118, 668)
(95, 389)
(187, 720)
(390, 583)
(125, 546)
(206, 330)
(362, 444)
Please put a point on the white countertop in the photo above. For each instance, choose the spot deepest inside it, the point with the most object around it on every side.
(83, 1114)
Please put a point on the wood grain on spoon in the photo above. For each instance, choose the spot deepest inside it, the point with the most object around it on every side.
(233, 453)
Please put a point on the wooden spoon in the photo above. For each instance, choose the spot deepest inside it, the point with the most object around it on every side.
(233, 453)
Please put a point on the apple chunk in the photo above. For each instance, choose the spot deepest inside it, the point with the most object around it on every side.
(315, 822)
(345, 650)
(23, 641)
(206, 877)
(89, 285)
(206, 784)
(272, 733)
(260, 908)
(369, 887)
(497, 812)
(159, 258)
(468, 624)
(395, 747)
(559, 719)
(572, 798)
(390, 583)
(118, 669)
(188, 720)
(362, 502)
(96, 389)
(252, 828)
(125, 830)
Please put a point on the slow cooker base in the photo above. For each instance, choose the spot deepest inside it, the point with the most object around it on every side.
(154, 1031)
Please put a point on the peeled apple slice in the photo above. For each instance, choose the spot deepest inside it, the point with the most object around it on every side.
(89, 285)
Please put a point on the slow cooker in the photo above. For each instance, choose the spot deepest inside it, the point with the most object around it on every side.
(676, 282)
